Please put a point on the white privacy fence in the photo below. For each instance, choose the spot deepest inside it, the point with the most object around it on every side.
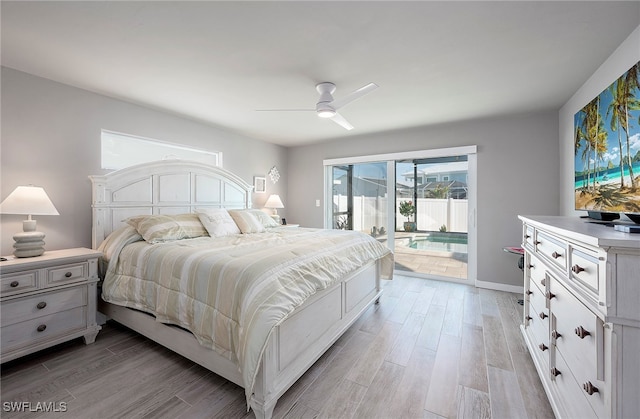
(431, 214)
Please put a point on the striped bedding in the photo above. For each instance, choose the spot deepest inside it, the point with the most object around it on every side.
(230, 292)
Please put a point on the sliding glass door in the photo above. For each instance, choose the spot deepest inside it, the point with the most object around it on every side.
(421, 204)
(359, 198)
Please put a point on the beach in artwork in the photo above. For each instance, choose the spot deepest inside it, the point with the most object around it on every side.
(607, 148)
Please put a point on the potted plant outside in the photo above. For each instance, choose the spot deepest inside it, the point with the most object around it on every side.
(407, 209)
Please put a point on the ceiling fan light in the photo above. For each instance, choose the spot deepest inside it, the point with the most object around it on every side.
(326, 113)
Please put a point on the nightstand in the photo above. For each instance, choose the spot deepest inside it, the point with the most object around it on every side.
(47, 300)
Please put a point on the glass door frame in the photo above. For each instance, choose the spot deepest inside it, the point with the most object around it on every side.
(390, 159)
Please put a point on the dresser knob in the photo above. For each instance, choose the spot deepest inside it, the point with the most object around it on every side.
(543, 282)
(543, 347)
(555, 372)
(530, 266)
(68, 275)
(14, 284)
(41, 305)
(589, 388)
(528, 318)
(543, 316)
(537, 242)
(555, 334)
(529, 292)
(581, 332)
(526, 236)
(42, 328)
(550, 295)
(577, 269)
(556, 255)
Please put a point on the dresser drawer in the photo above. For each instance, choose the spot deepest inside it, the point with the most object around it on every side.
(68, 273)
(539, 329)
(574, 400)
(536, 272)
(23, 309)
(552, 248)
(18, 283)
(580, 335)
(42, 328)
(585, 269)
(528, 235)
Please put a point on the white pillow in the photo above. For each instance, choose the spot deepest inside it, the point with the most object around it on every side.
(218, 222)
(265, 219)
(246, 221)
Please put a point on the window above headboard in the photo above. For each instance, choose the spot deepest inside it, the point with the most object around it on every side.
(123, 150)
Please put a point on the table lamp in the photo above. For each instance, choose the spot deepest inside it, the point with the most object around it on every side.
(274, 202)
(28, 200)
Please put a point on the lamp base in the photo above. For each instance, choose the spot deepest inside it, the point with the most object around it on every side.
(28, 244)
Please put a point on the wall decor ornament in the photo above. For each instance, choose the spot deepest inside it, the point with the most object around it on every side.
(259, 184)
(274, 174)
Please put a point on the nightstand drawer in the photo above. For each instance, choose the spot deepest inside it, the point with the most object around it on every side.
(23, 309)
(18, 282)
(42, 328)
(68, 273)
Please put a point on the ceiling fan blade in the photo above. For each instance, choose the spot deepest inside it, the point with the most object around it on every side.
(285, 110)
(339, 103)
(339, 119)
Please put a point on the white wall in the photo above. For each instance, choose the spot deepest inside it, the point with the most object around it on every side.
(517, 174)
(621, 60)
(51, 138)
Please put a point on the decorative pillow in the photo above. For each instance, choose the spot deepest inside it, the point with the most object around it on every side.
(218, 222)
(161, 228)
(265, 219)
(246, 221)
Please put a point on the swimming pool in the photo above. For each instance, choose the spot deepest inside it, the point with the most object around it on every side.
(440, 243)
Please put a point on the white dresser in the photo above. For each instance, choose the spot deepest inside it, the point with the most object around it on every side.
(582, 315)
(47, 300)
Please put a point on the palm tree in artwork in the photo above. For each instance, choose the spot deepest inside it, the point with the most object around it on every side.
(632, 103)
(618, 118)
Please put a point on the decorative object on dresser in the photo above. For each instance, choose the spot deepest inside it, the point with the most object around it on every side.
(581, 319)
(28, 200)
(47, 300)
(274, 202)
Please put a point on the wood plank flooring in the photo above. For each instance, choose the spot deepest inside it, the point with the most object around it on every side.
(429, 350)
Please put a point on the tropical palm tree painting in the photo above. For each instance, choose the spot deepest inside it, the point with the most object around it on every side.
(607, 148)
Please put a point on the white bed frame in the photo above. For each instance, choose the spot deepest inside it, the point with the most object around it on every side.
(178, 186)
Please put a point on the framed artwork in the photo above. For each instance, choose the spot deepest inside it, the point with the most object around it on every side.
(259, 184)
(607, 148)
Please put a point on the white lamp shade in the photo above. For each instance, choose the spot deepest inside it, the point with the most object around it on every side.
(274, 201)
(29, 200)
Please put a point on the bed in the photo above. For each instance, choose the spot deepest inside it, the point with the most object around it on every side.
(284, 295)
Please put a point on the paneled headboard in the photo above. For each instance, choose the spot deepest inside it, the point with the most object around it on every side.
(162, 187)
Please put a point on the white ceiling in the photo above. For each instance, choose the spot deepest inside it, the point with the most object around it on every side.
(218, 62)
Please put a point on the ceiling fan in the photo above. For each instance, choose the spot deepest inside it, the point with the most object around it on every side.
(327, 106)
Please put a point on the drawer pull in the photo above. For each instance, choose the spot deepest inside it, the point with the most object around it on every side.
(581, 332)
(530, 266)
(556, 255)
(577, 269)
(555, 334)
(555, 372)
(550, 295)
(41, 305)
(528, 318)
(543, 316)
(529, 292)
(42, 328)
(543, 347)
(543, 282)
(589, 388)
(526, 236)
(68, 275)
(14, 284)
(537, 242)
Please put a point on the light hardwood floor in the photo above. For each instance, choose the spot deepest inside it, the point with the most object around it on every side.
(429, 350)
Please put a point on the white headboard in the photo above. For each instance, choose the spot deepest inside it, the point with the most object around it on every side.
(162, 187)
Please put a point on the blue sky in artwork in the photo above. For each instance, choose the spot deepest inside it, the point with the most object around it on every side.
(613, 150)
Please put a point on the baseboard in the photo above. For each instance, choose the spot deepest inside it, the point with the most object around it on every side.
(500, 287)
